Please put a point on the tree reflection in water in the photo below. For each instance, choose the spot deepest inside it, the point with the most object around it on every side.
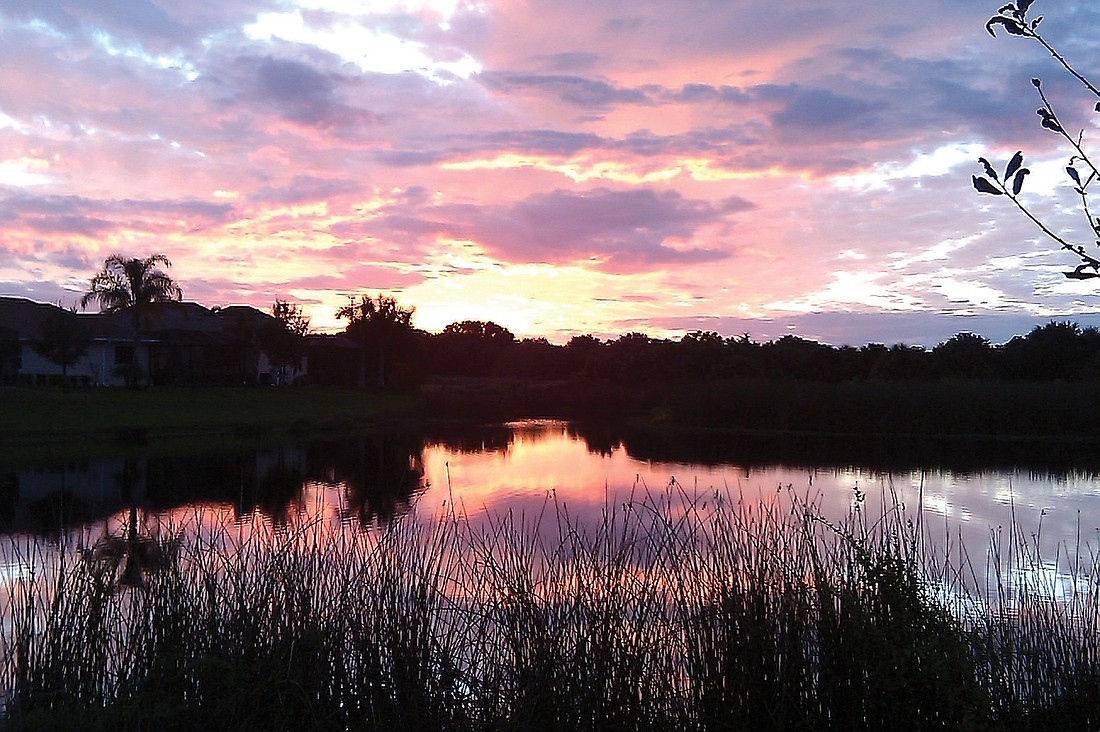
(280, 476)
(380, 474)
(124, 561)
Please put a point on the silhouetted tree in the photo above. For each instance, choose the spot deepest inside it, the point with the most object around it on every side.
(62, 339)
(1012, 18)
(472, 348)
(535, 358)
(965, 355)
(132, 284)
(283, 338)
(382, 327)
(487, 331)
(583, 354)
(704, 354)
(637, 357)
(799, 358)
(1054, 351)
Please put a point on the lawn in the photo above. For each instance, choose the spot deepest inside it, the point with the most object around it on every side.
(50, 414)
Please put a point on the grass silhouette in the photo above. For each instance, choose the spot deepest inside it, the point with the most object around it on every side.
(676, 610)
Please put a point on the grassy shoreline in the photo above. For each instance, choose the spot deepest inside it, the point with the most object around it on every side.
(1035, 421)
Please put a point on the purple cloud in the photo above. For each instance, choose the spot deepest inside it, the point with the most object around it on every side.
(54, 214)
(617, 231)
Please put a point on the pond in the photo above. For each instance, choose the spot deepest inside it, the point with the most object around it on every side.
(549, 574)
(535, 466)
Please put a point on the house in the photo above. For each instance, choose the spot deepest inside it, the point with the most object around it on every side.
(9, 356)
(172, 343)
(23, 321)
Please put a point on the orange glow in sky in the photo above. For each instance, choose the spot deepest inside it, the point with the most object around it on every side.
(557, 167)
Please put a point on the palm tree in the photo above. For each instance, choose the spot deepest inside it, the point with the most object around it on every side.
(132, 283)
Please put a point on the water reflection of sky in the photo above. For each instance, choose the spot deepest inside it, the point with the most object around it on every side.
(530, 468)
(546, 457)
(545, 460)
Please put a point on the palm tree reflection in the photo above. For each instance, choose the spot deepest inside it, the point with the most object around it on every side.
(125, 561)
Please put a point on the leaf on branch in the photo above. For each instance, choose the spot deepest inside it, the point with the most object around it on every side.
(988, 168)
(1018, 181)
(1014, 164)
(1011, 26)
(984, 186)
(1082, 273)
(1037, 83)
(1097, 107)
(1024, 5)
(1035, 23)
(1049, 120)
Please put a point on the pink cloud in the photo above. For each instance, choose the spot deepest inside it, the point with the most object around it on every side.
(624, 139)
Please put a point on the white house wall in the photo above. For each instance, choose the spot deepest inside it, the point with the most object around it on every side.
(97, 365)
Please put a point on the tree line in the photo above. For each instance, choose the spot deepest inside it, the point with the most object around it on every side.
(393, 353)
(1054, 351)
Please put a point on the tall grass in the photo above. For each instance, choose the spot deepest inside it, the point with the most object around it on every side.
(678, 610)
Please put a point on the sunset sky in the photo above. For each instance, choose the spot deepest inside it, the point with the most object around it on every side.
(556, 166)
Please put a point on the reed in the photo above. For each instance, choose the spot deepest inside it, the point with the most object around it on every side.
(678, 609)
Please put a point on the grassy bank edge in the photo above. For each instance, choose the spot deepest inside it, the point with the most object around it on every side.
(1008, 414)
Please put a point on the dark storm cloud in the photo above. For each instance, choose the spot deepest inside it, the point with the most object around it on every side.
(809, 110)
(695, 93)
(839, 96)
(617, 231)
(568, 61)
(884, 96)
(542, 142)
(409, 158)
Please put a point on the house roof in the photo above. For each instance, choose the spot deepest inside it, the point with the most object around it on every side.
(244, 320)
(331, 340)
(159, 319)
(27, 318)
(171, 315)
(24, 316)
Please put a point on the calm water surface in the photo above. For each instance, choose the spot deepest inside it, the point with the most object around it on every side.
(548, 459)
(531, 467)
